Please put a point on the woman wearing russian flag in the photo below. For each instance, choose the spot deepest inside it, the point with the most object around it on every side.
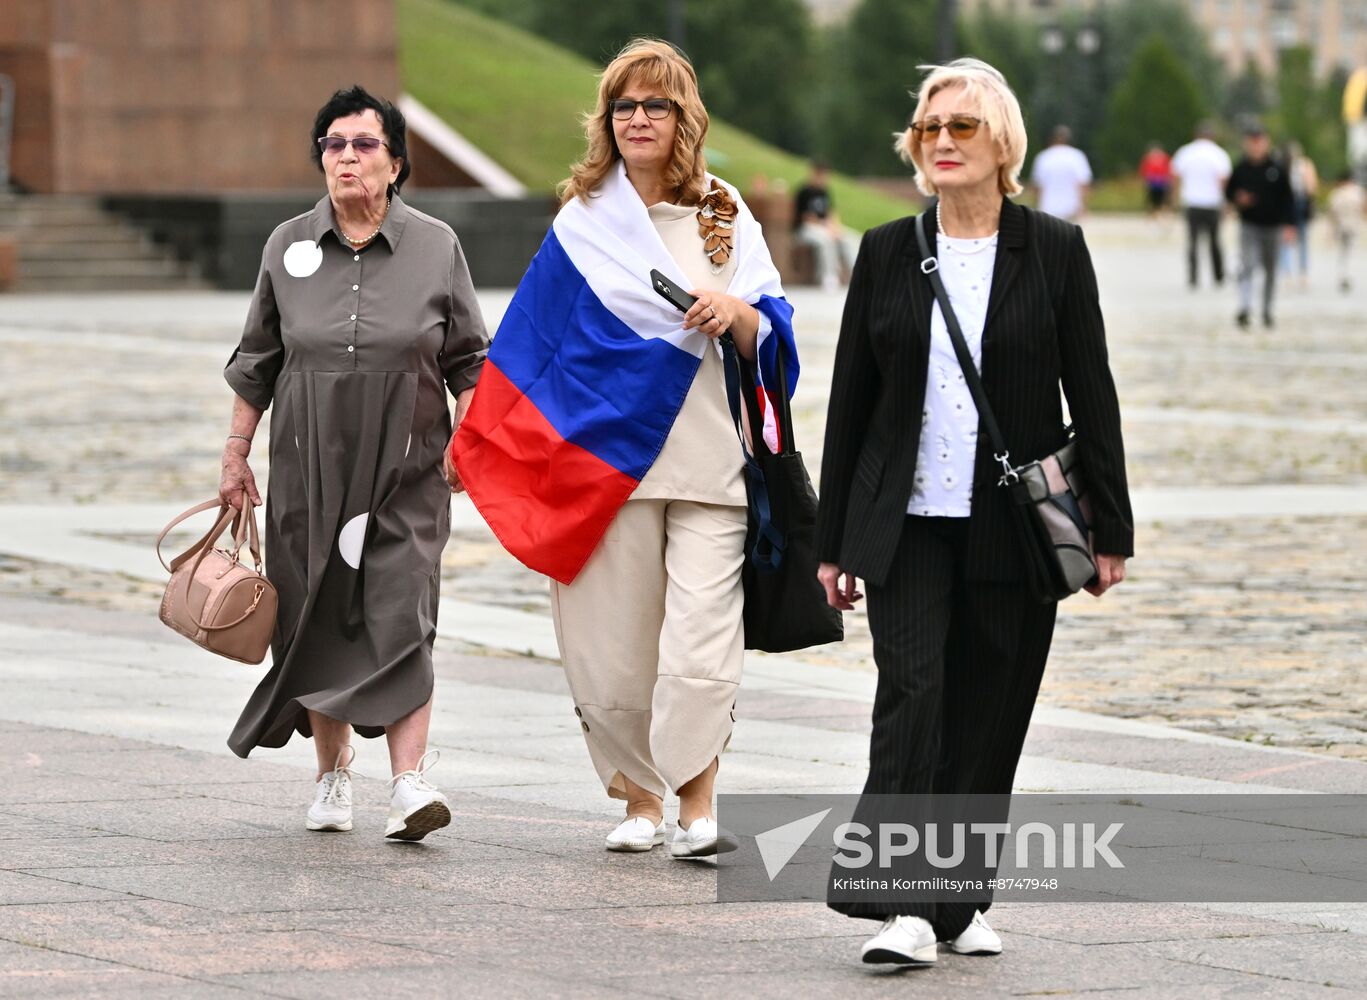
(601, 450)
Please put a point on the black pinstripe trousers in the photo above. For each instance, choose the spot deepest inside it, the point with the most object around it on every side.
(959, 667)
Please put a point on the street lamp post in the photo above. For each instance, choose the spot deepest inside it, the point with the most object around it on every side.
(677, 29)
(946, 18)
(6, 127)
(1055, 41)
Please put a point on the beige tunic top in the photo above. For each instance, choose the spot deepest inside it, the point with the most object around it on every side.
(701, 459)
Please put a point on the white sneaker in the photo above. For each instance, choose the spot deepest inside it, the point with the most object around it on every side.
(701, 840)
(331, 809)
(902, 941)
(416, 806)
(977, 939)
(636, 833)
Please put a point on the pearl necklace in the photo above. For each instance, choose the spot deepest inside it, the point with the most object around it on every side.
(366, 239)
(987, 241)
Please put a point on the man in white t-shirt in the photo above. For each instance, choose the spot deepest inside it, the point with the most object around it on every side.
(1061, 176)
(1203, 167)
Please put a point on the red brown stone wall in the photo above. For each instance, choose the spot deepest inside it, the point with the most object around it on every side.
(126, 96)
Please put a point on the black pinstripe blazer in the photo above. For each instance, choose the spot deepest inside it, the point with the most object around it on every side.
(1043, 329)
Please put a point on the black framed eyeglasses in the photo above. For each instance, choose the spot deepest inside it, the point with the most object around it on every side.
(960, 127)
(655, 108)
(363, 144)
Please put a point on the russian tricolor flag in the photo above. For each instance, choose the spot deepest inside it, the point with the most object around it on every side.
(587, 372)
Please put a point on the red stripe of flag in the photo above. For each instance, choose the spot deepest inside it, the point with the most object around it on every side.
(554, 499)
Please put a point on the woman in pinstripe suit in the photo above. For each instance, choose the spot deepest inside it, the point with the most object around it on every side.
(909, 500)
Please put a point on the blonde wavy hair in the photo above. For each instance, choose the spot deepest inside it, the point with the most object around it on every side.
(659, 66)
(988, 92)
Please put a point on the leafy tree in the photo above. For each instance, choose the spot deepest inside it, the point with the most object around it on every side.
(1309, 111)
(1009, 43)
(1125, 27)
(1158, 100)
(870, 69)
(1065, 70)
(757, 71)
(1297, 96)
(1246, 95)
(1332, 150)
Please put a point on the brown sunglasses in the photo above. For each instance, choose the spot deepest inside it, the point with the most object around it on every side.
(960, 127)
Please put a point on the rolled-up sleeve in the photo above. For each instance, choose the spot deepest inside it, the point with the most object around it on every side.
(467, 339)
(254, 365)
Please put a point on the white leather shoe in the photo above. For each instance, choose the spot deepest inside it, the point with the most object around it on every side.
(636, 833)
(977, 939)
(416, 806)
(331, 809)
(701, 840)
(902, 941)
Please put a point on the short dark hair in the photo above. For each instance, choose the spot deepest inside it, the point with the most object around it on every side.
(345, 103)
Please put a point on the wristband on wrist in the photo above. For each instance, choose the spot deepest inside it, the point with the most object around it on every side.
(240, 437)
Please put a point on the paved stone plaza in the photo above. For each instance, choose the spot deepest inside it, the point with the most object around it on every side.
(138, 858)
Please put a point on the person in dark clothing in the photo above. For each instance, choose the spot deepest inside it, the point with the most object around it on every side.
(816, 224)
(1260, 190)
(909, 494)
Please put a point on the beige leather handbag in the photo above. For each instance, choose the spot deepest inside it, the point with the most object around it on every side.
(212, 599)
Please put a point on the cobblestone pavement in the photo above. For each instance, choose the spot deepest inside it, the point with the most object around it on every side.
(1250, 626)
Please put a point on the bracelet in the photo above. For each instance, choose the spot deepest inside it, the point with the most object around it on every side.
(240, 437)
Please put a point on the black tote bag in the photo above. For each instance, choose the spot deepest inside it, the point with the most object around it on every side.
(785, 604)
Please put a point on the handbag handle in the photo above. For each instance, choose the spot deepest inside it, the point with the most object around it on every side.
(224, 518)
(244, 531)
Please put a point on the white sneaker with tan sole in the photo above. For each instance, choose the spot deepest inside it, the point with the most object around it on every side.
(416, 806)
(331, 809)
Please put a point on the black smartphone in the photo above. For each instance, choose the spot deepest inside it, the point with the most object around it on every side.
(671, 292)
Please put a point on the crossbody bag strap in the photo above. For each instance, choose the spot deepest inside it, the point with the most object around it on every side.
(930, 267)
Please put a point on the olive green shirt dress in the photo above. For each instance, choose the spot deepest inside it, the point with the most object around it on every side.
(356, 351)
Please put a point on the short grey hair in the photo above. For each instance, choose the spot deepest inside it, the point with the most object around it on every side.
(996, 104)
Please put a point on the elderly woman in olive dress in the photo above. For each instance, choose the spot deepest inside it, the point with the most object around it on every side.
(363, 317)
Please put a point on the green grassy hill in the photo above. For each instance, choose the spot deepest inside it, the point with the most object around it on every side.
(519, 98)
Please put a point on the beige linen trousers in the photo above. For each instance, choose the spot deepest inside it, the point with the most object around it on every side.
(652, 639)
(651, 632)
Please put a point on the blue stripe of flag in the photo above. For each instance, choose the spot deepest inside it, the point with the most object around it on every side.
(599, 384)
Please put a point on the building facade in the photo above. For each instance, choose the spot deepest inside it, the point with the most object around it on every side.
(1243, 30)
(182, 95)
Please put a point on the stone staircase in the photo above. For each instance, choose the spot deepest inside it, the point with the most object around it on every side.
(69, 243)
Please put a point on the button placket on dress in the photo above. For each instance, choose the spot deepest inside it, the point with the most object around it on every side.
(355, 306)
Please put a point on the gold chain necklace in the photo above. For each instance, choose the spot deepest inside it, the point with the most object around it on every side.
(366, 239)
